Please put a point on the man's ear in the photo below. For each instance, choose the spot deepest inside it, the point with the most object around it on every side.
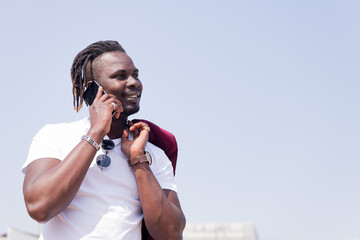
(88, 83)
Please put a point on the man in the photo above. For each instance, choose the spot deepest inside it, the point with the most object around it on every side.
(70, 184)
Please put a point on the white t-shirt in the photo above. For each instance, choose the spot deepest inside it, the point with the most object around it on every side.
(107, 205)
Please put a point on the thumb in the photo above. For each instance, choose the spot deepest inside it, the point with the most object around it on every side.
(125, 136)
(125, 143)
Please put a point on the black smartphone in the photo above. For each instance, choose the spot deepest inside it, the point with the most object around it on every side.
(90, 93)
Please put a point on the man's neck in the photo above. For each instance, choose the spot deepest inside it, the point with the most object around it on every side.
(117, 127)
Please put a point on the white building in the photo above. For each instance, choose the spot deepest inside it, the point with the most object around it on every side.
(220, 231)
(14, 234)
(193, 231)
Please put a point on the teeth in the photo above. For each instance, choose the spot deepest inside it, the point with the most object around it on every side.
(134, 95)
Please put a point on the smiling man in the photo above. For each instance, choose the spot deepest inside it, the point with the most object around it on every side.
(99, 177)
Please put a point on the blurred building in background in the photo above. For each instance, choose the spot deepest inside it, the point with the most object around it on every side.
(15, 234)
(193, 231)
(220, 231)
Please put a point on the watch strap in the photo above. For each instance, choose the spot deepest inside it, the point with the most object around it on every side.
(140, 159)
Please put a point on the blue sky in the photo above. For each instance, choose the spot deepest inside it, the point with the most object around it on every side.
(263, 97)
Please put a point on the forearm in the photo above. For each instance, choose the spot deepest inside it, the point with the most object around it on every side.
(164, 219)
(48, 193)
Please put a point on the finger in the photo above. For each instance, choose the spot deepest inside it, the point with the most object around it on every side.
(144, 133)
(133, 129)
(115, 109)
(98, 94)
(141, 141)
(125, 136)
(119, 107)
(136, 133)
(108, 96)
(143, 130)
(140, 126)
(117, 112)
(133, 126)
(125, 143)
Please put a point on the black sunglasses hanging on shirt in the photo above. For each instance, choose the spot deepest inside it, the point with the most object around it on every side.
(103, 160)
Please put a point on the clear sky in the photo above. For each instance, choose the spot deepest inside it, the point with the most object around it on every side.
(263, 97)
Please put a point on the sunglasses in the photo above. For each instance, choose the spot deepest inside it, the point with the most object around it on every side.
(103, 160)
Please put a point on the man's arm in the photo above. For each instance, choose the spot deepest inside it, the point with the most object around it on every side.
(163, 216)
(50, 184)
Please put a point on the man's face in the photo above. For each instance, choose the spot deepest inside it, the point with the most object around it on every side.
(117, 74)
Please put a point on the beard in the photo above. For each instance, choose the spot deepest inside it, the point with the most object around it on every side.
(130, 109)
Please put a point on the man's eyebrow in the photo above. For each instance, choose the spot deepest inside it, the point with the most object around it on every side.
(119, 71)
(122, 71)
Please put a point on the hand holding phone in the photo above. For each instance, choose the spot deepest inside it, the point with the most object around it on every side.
(90, 92)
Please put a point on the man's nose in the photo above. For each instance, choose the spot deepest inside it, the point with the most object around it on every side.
(133, 82)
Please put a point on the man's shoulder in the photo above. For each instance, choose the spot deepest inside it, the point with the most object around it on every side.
(65, 127)
(153, 148)
(73, 124)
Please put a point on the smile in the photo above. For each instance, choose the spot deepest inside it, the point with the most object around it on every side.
(133, 97)
(134, 94)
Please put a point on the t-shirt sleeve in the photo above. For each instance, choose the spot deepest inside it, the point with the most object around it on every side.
(164, 172)
(43, 146)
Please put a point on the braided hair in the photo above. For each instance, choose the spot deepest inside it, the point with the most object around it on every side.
(82, 71)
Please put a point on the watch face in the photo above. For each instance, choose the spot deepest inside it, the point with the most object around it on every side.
(140, 159)
(148, 156)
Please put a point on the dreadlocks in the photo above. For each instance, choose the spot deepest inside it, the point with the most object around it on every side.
(81, 69)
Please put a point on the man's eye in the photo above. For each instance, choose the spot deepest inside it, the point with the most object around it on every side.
(121, 76)
(135, 75)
